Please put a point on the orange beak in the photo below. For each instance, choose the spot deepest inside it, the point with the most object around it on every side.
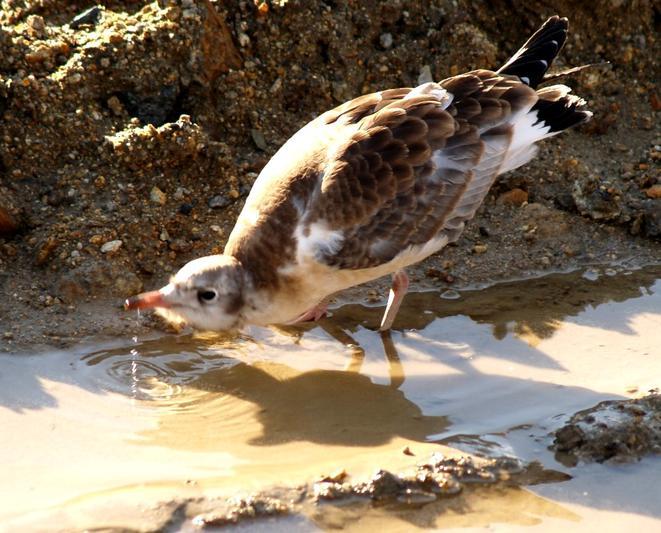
(146, 300)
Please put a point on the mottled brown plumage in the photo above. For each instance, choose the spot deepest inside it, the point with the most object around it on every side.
(379, 183)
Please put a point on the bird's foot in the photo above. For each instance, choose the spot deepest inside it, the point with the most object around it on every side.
(313, 314)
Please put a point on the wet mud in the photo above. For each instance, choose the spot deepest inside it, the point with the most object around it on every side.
(617, 431)
(449, 419)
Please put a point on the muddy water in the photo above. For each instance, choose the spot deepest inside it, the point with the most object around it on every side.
(103, 435)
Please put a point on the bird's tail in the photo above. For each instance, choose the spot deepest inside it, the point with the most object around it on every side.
(534, 58)
(555, 108)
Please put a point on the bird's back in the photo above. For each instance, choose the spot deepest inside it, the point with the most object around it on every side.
(393, 176)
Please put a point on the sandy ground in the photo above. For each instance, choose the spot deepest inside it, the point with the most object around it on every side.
(131, 134)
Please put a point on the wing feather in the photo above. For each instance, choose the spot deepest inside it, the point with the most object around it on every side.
(418, 165)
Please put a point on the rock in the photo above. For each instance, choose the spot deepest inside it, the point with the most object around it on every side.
(595, 199)
(258, 139)
(425, 75)
(180, 193)
(219, 201)
(111, 246)
(386, 40)
(515, 197)
(46, 251)
(115, 106)
(480, 248)
(244, 40)
(654, 191)
(157, 196)
(89, 16)
(186, 209)
(655, 101)
(384, 485)
(37, 25)
(241, 509)
(8, 224)
(218, 52)
(651, 219)
(180, 245)
(620, 430)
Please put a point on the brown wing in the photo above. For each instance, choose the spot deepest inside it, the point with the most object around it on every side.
(414, 166)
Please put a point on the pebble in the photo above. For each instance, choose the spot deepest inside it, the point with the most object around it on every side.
(386, 40)
(219, 201)
(425, 75)
(111, 246)
(654, 191)
(157, 196)
(185, 209)
(516, 197)
(115, 104)
(480, 248)
(89, 16)
(258, 139)
(36, 23)
(7, 223)
(180, 193)
(244, 40)
(46, 251)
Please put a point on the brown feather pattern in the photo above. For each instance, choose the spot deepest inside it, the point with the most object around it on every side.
(369, 173)
(384, 191)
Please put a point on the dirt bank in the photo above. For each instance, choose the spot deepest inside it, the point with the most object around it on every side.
(131, 133)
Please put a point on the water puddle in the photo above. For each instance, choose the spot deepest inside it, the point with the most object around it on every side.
(490, 372)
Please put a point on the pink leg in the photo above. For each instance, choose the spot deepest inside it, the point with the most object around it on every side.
(400, 284)
(315, 313)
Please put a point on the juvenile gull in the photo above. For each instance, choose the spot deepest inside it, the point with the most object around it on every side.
(369, 188)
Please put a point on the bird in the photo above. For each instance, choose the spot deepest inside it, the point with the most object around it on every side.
(371, 187)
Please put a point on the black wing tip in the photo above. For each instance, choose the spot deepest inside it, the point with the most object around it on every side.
(563, 113)
(534, 58)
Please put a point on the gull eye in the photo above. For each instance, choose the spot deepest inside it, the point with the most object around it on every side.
(206, 295)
